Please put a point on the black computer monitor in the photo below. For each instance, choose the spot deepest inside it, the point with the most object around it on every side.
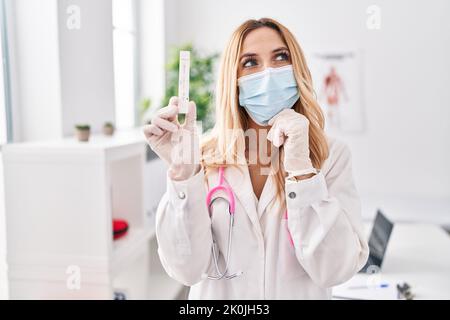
(378, 241)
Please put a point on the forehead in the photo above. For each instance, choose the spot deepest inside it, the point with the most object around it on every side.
(262, 39)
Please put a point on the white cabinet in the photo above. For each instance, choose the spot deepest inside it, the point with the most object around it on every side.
(61, 197)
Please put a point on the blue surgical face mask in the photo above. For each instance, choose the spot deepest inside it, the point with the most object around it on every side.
(264, 94)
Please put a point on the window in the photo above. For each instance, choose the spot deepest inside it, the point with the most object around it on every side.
(5, 111)
(5, 136)
(125, 62)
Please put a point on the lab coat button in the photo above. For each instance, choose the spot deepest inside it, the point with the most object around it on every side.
(181, 195)
(292, 195)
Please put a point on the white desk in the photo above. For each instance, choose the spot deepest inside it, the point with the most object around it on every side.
(418, 254)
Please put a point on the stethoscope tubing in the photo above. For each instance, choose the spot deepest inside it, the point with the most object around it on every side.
(231, 210)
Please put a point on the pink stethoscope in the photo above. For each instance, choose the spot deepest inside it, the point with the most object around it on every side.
(231, 210)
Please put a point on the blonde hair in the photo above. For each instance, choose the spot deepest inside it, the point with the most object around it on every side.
(221, 147)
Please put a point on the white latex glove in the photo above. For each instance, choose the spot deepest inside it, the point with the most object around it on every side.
(291, 129)
(177, 145)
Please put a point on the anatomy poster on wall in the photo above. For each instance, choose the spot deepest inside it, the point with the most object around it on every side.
(337, 82)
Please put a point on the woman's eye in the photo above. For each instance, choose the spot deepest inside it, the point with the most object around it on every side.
(248, 63)
(282, 56)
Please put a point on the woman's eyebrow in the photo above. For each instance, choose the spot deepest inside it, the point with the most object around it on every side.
(248, 54)
(280, 49)
(251, 54)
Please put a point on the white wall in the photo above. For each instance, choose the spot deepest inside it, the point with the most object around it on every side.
(34, 53)
(3, 266)
(61, 77)
(87, 75)
(173, 25)
(405, 149)
(151, 50)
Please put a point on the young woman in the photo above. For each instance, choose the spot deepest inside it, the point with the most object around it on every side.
(286, 190)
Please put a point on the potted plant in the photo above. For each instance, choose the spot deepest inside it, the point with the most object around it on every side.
(201, 84)
(83, 132)
(108, 129)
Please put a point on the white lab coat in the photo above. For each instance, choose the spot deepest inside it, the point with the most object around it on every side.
(324, 220)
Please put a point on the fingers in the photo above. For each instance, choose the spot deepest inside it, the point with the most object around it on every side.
(165, 120)
(284, 113)
(286, 123)
(279, 124)
(173, 101)
(169, 113)
(164, 124)
(276, 136)
(278, 139)
(152, 129)
(191, 115)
